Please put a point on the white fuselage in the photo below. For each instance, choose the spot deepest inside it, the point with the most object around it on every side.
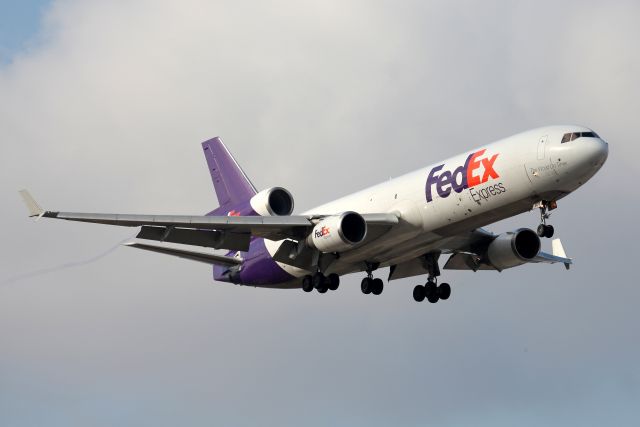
(439, 205)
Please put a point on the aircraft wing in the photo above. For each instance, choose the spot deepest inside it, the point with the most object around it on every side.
(220, 232)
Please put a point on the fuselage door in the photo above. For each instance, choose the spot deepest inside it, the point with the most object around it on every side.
(542, 145)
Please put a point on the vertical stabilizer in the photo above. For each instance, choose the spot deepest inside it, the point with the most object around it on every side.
(229, 180)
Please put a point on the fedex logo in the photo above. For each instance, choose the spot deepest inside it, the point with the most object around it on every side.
(322, 232)
(477, 169)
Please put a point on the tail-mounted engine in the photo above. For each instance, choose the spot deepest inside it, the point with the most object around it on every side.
(275, 201)
(338, 233)
(513, 248)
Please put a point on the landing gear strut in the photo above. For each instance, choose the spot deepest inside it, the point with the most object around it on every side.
(431, 290)
(545, 230)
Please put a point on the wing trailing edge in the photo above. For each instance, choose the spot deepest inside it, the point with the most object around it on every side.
(187, 253)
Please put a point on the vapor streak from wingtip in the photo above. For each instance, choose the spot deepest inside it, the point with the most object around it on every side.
(61, 267)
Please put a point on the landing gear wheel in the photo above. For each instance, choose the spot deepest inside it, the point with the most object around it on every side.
(307, 284)
(419, 293)
(334, 281)
(545, 231)
(366, 285)
(322, 289)
(431, 292)
(377, 286)
(318, 280)
(444, 291)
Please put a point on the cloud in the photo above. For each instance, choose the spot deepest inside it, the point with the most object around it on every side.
(106, 113)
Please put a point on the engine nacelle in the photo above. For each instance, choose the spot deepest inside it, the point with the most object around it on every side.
(338, 233)
(513, 248)
(275, 201)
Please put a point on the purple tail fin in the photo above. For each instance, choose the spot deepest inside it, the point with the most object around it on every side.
(232, 186)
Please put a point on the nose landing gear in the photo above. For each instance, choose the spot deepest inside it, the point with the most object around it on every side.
(545, 230)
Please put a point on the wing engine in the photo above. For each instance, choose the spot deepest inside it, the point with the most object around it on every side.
(338, 233)
(274, 201)
(513, 248)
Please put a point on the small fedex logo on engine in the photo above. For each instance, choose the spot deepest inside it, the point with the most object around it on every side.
(324, 230)
(477, 169)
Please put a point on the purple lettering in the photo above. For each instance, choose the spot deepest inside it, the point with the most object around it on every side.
(431, 180)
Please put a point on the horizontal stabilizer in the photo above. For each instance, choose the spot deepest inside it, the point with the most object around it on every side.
(557, 255)
(33, 206)
(186, 252)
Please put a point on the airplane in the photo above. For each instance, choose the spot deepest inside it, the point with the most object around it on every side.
(406, 224)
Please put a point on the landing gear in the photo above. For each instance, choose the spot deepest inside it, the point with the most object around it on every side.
(431, 290)
(307, 284)
(369, 285)
(419, 293)
(320, 282)
(545, 230)
(444, 291)
(366, 285)
(334, 281)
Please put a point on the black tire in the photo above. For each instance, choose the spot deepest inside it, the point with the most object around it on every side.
(419, 293)
(322, 289)
(541, 230)
(334, 281)
(444, 291)
(431, 292)
(377, 286)
(365, 285)
(548, 231)
(307, 284)
(318, 280)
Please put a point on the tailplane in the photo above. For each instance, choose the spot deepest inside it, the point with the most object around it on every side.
(233, 187)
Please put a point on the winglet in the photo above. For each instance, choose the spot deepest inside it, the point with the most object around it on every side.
(558, 250)
(32, 205)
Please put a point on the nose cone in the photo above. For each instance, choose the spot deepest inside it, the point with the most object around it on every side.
(596, 151)
(589, 154)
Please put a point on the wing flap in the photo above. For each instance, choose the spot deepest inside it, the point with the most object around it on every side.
(217, 239)
(187, 253)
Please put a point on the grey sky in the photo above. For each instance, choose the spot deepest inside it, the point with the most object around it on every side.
(106, 114)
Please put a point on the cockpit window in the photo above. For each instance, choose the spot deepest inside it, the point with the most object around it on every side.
(575, 135)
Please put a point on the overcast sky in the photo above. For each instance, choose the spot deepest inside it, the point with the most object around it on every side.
(102, 108)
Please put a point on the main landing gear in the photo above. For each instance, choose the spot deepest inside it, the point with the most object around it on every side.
(369, 285)
(545, 230)
(431, 290)
(320, 282)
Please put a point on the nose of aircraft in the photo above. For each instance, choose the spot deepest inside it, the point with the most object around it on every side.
(591, 153)
(597, 151)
